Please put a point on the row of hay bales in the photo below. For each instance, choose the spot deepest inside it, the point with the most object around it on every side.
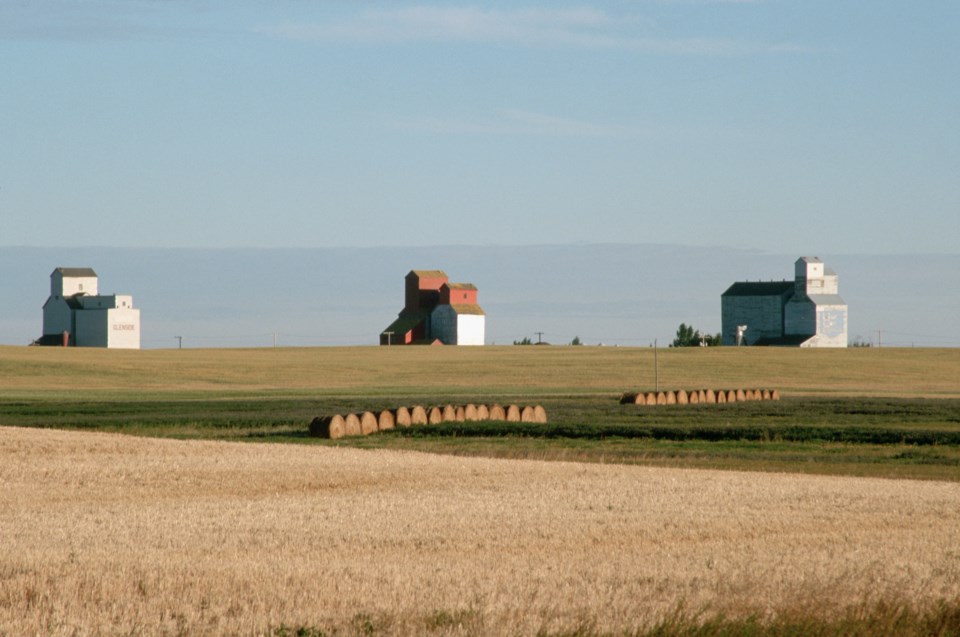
(368, 422)
(697, 396)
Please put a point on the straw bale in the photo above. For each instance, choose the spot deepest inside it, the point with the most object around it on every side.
(331, 427)
(434, 416)
(385, 420)
(694, 397)
(682, 397)
(640, 399)
(774, 394)
(741, 395)
(513, 413)
(650, 398)
(526, 414)
(765, 395)
(497, 412)
(418, 415)
(702, 395)
(351, 425)
(483, 412)
(731, 396)
(449, 413)
(368, 423)
(671, 397)
(470, 413)
(539, 414)
(749, 395)
(401, 417)
(721, 396)
(661, 398)
(460, 413)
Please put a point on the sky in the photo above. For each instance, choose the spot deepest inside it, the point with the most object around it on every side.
(794, 127)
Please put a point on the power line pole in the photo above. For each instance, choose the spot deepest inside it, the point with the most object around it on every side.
(656, 367)
(539, 337)
(179, 342)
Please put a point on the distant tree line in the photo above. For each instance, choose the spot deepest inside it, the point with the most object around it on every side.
(689, 337)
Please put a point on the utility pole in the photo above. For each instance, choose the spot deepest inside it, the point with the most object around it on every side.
(656, 367)
(539, 337)
(179, 342)
(878, 338)
(274, 340)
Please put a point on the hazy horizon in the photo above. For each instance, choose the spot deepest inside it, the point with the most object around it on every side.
(614, 294)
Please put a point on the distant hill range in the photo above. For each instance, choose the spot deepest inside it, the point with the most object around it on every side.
(615, 294)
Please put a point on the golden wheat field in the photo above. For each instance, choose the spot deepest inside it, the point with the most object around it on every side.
(104, 534)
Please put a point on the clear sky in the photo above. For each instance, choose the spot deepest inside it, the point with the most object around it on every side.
(794, 126)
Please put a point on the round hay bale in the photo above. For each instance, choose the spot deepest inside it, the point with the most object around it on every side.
(694, 397)
(368, 423)
(513, 413)
(628, 398)
(526, 414)
(661, 398)
(449, 413)
(650, 398)
(331, 427)
(682, 397)
(351, 425)
(671, 397)
(497, 412)
(385, 421)
(749, 395)
(460, 413)
(731, 396)
(774, 394)
(702, 395)
(418, 415)
(435, 416)
(401, 417)
(721, 396)
(470, 413)
(640, 399)
(740, 395)
(765, 394)
(539, 414)
(483, 412)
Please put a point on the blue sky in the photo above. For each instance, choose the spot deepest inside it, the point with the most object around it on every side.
(796, 127)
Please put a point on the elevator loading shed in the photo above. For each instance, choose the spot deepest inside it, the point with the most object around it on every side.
(805, 312)
(436, 310)
(77, 314)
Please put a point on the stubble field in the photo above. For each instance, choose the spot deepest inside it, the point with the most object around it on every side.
(108, 534)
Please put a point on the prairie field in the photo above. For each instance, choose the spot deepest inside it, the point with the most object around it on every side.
(438, 371)
(106, 534)
(835, 512)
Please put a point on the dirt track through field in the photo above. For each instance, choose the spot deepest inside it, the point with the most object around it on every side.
(107, 534)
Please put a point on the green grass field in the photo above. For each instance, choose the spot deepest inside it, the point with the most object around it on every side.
(889, 412)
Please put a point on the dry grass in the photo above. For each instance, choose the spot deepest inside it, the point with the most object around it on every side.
(490, 370)
(105, 534)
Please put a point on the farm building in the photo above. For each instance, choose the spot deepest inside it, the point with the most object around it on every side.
(807, 312)
(436, 310)
(77, 314)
